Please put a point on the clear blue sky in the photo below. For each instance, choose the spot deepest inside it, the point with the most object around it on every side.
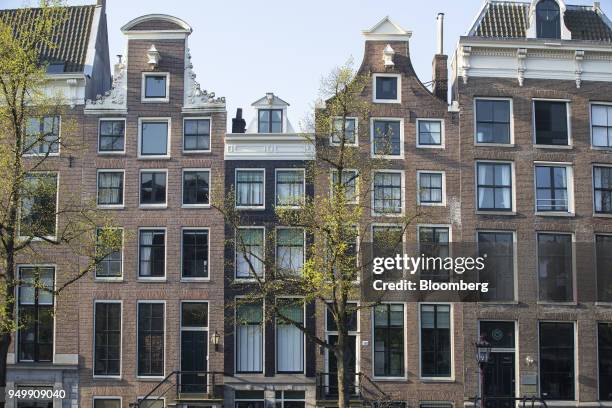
(243, 48)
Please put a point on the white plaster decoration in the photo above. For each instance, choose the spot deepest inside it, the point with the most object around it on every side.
(388, 54)
(579, 58)
(115, 99)
(466, 52)
(521, 55)
(196, 97)
(72, 91)
(154, 57)
(387, 30)
(252, 146)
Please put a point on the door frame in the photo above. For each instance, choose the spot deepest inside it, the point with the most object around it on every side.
(355, 333)
(514, 350)
(196, 329)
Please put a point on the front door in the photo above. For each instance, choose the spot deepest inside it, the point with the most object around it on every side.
(332, 364)
(499, 381)
(193, 361)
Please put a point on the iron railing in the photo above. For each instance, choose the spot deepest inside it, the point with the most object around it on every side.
(510, 402)
(183, 385)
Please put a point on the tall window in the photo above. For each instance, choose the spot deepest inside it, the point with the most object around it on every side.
(35, 311)
(604, 354)
(111, 138)
(270, 121)
(601, 125)
(434, 243)
(195, 253)
(551, 123)
(498, 246)
(557, 376)
(151, 341)
(494, 186)
(290, 250)
(548, 19)
(194, 346)
(39, 205)
(348, 184)
(493, 121)
(430, 133)
(196, 135)
(350, 125)
(602, 189)
(289, 338)
(42, 135)
(110, 188)
(555, 270)
(196, 187)
(250, 188)
(249, 337)
(154, 138)
(388, 193)
(386, 88)
(435, 340)
(552, 188)
(111, 265)
(152, 254)
(389, 340)
(107, 339)
(249, 252)
(290, 187)
(155, 86)
(603, 263)
(387, 137)
(430, 186)
(153, 187)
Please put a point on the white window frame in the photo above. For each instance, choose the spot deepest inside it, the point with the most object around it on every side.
(196, 329)
(296, 169)
(399, 88)
(372, 327)
(17, 294)
(263, 247)
(568, 110)
(331, 183)
(591, 104)
(105, 397)
(513, 192)
(401, 136)
(57, 193)
(110, 206)
(59, 138)
(152, 206)
(276, 246)
(442, 133)
(449, 227)
(193, 169)
(263, 340)
(486, 98)
(143, 120)
(120, 303)
(114, 278)
(250, 207)
(153, 278)
(515, 350)
(514, 265)
(195, 279)
(148, 377)
(418, 195)
(569, 174)
(574, 273)
(331, 137)
(304, 342)
(115, 152)
(452, 343)
(576, 361)
(596, 214)
(210, 125)
(402, 191)
(143, 97)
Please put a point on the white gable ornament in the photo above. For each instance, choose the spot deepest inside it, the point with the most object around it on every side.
(387, 30)
(195, 96)
(153, 56)
(115, 99)
(388, 54)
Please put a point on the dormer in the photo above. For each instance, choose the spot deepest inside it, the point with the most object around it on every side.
(270, 116)
(547, 20)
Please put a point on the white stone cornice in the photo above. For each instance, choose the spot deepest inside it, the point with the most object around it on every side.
(274, 146)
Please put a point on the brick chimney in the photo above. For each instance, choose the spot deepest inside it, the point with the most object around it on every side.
(440, 64)
(238, 123)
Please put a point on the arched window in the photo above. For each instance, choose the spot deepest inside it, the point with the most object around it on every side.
(548, 19)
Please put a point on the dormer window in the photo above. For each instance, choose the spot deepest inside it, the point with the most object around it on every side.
(270, 121)
(548, 19)
(155, 87)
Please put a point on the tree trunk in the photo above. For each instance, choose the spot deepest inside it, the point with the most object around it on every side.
(5, 341)
(343, 399)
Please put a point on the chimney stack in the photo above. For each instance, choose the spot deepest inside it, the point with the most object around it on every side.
(238, 123)
(440, 64)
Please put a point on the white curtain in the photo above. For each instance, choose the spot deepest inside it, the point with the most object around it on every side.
(290, 348)
(146, 238)
(110, 188)
(249, 190)
(249, 348)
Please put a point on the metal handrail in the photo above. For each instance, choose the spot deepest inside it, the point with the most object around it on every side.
(209, 385)
(524, 400)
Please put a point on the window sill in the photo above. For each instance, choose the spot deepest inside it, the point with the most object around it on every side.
(387, 157)
(554, 214)
(152, 280)
(146, 378)
(509, 145)
(551, 303)
(112, 153)
(40, 155)
(111, 207)
(246, 280)
(188, 280)
(543, 146)
(602, 148)
(485, 212)
(391, 215)
(117, 279)
(154, 100)
(439, 147)
(192, 206)
(437, 380)
(387, 101)
(390, 379)
(602, 215)
(500, 303)
(153, 206)
(443, 204)
(197, 151)
(255, 208)
(289, 207)
(106, 377)
(604, 304)
(153, 157)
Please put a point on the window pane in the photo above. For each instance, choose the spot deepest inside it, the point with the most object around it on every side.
(153, 188)
(151, 339)
(42, 135)
(39, 205)
(249, 252)
(551, 123)
(555, 267)
(194, 314)
(551, 187)
(435, 341)
(498, 334)
(430, 132)
(195, 254)
(290, 250)
(110, 188)
(548, 21)
(155, 86)
(249, 337)
(386, 88)
(154, 138)
(107, 332)
(499, 266)
(152, 253)
(111, 264)
(602, 184)
(112, 135)
(196, 134)
(196, 187)
(605, 361)
(386, 138)
(289, 187)
(557, 361)
(494, 186)
(250, 188)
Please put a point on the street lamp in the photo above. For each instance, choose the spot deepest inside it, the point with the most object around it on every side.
(483, 353)
(214, 339)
